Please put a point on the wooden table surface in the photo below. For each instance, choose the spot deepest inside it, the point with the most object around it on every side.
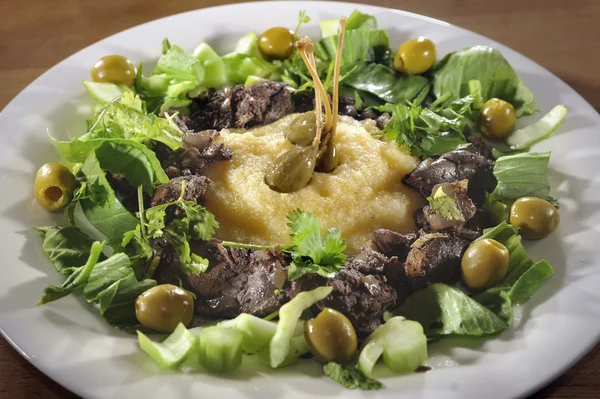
(563, 36)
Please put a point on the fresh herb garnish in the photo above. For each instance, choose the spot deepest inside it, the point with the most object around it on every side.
(445, 206)
(312, 253)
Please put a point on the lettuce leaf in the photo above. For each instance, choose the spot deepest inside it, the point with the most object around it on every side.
(445, 310)
(497, 78)
(76, 280)
(522, 175)
(350, 378)
(383, 82)
(67, 247)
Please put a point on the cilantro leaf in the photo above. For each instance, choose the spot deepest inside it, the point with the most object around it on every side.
(350, 378)
(177, 236)
(445, 206)
(310, 252)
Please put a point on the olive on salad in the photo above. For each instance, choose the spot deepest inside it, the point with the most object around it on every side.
(484, 264)
(536, 218)
(497, 119)
(331, 337)
(53, 184)
(415, 56)
(276, 43)
(163, 307)
(114, 69)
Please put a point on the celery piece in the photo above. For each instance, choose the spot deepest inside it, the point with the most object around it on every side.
(220, 349)
(527, 136)
(289, 314)
(402, 344)
(170, 353)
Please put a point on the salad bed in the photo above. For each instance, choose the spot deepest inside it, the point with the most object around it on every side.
(432, 112)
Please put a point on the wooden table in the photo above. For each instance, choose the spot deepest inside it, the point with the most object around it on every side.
(563, 36)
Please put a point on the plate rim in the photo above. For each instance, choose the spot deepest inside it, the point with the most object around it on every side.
(65, 382)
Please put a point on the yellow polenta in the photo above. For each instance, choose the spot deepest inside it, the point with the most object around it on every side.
(362, 194)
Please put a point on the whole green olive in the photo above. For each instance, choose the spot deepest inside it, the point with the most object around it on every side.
(303, 129)
(536, 218)
(331, 337)
(415, 56)
(53, 184)
(484, 264)
(114, 69)
(276, 43)
(497, 119)
(163, 307)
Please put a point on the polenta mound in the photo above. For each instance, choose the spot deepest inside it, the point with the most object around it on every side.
(362, 194)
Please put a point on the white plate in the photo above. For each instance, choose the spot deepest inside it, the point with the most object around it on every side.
(68, 341)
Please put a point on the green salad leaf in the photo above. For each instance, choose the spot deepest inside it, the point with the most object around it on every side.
(76, 280)
(383, 82)
(487, 65)
(67, 247)
(350, 378)
(101, 205)
(310, 252)
(105, 93)
(522, 175)
(445, 310)
(424, 132)
(127, 118)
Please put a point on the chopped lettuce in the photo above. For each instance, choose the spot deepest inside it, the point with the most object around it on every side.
(105, 93)
(171, 352)
(127, 118)
(310, 252)
(527, 136)
(522, 175)
(445, 310)
(247, 60)
(350, 378)
(497, 78)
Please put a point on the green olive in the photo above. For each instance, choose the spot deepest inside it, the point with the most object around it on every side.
(415, 56)
(276, 43)
(114, 69)
(292, 170)
(497, 119)
(484, 264)
(535, 217)
(163, 307)
(54, 183)
(302, 129)
(331, 337)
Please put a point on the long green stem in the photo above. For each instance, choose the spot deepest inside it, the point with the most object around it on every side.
(246, 246)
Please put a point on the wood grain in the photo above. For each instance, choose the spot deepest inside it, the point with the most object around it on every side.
(560, 35)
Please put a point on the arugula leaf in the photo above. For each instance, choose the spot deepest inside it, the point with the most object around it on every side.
(76, 280)
(497, 78)
(310, 252)
(445, 310)
(445, 206)
(386, 84)
(350, 378)
(522, 175)
(67, 247)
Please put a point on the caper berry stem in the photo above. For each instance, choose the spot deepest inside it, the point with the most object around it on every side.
(336, 76)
